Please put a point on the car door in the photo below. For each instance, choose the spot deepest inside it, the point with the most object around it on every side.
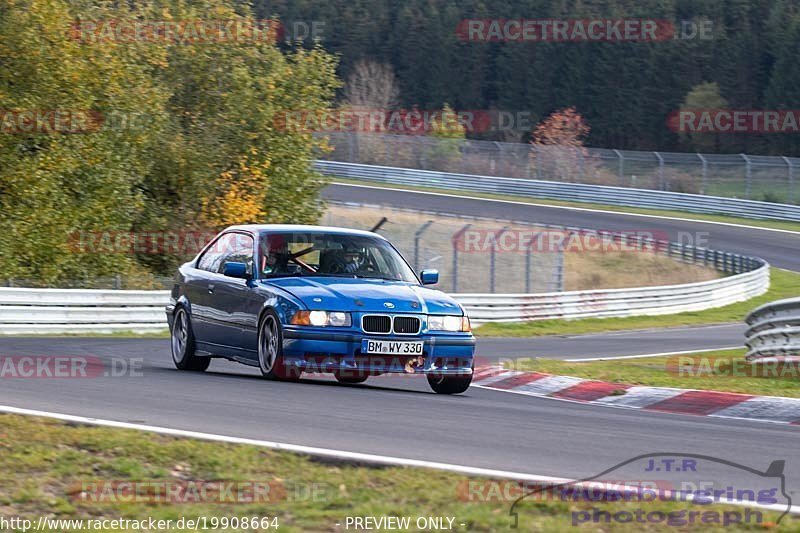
(229, 297)
(199, 285)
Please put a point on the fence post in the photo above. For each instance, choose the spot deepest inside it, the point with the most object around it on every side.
(621, 170)
(492, 257)
(457, 235)
(351, 152)
(704, 183)
(748, 173)
(661, 182)
(417, 236)
(560, 269)
(528, 252)
(790, 168)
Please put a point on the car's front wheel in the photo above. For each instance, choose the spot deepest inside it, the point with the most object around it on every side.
(449, 384)
(270, 349)
(183, 345)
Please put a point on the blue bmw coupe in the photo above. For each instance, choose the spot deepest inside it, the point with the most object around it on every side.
(295, 299)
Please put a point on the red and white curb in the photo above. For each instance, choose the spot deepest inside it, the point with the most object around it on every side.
(667, 400)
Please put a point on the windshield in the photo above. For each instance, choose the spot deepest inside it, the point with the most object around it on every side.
(331, 254)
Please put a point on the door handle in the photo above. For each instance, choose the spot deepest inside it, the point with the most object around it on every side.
(211, 288)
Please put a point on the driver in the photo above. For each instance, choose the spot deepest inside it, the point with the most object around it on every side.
(352, 261)
(342, 261)
(274, 256)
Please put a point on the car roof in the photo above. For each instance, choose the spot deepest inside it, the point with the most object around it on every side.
(301, 228)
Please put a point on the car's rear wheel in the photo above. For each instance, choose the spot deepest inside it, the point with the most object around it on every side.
(350, 378)
(183, 345)
(270, 349)
(442, 384)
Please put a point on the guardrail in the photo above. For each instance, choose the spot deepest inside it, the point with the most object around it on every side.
(645, 301)
(599, 194)
(747, 176)
(774, 330)
(42, 311)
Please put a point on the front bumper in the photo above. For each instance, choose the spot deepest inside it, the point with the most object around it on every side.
(323, 350)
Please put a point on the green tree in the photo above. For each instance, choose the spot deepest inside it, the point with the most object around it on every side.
(186, 124)
(704, 96)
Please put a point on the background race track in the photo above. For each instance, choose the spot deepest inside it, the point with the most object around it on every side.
(779, 248)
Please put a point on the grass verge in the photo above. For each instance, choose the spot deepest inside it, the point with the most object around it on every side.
(725, 371)
(770, 224)
(783, 284)
(46, 466)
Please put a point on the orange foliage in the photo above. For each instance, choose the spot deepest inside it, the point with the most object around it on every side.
(240, 194)
(565, 127)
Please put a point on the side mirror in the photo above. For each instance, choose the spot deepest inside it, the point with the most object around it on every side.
(235, 270)
(429, 277)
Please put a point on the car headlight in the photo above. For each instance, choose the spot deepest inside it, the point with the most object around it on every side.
(321, 318)
(448, 323)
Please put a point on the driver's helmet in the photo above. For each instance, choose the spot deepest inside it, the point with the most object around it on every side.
(274, 254)
(353, 260)
(340, 259)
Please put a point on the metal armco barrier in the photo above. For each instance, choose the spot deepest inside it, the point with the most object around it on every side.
(643, 301)
(599, 194)
(40, 311)
(774, 330)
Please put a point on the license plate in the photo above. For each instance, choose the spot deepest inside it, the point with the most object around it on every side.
(391, 347)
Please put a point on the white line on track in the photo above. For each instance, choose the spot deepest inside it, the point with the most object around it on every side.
(349, 456)
(569, 208)
(662, 354)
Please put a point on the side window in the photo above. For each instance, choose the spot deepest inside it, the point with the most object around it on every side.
(212, 258)
(240, 251)
(231, 247)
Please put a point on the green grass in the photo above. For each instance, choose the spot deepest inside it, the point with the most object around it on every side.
(783, 284)
(771, 224)
(724, 370)
(45, 465)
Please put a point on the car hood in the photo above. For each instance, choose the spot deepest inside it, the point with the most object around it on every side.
(366, 295)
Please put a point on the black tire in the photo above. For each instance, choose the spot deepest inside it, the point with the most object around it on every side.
(270, 349)
(449, 384)
(183, 346)
(350, 379)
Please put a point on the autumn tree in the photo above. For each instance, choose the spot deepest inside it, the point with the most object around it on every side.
(186, 140)
(557, 150)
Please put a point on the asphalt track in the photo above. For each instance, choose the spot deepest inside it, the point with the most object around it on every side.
(780, 249)
(394, 416)
(622, 343)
